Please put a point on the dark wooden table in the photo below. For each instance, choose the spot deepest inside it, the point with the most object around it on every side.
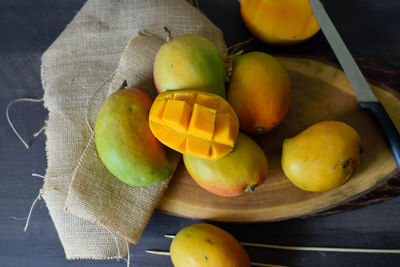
(369, 27)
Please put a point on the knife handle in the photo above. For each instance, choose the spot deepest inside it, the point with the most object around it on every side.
(389, 130)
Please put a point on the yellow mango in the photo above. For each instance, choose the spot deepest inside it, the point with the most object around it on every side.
(195, 123)
(241, 171)
(322, 157)
(259, 92)
(201, 245)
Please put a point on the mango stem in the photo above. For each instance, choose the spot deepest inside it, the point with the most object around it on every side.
(167, 34)
(259, 129)
(251, 188)
(123, 85)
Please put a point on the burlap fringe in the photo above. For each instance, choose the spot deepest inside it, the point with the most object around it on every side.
(232, 53)
(12, 125)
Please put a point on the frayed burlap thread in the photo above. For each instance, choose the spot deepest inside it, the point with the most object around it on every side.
(77, 68)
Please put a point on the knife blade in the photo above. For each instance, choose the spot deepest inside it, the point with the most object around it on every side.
(363, 92)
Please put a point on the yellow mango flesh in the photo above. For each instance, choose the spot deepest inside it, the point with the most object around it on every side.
(195, 123)
(279, 22)
(322, 157)
(189, 62)
(240, 171)
(201, 245)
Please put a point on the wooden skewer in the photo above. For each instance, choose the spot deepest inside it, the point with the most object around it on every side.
(298, 248)
(166, 253)
(158, 252)
(325, 249)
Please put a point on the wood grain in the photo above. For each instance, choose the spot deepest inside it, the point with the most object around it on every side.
(320, 92)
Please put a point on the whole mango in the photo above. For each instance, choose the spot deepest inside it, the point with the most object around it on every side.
(201, 245)
(279, 22)
(189, 61)
(125, 143)
(238, 172)
(259, 92)
(322, 157)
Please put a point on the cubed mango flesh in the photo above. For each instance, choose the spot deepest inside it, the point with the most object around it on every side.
(196, 123)
(202, 122)
(176, 114)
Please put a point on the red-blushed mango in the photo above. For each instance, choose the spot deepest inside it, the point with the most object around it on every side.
(279, 22)
(240, 171)
(189, 62)
(196, 123)
(125, 143)
(259, 92)
(203, 245)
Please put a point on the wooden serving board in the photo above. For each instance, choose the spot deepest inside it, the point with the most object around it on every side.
(319, 92)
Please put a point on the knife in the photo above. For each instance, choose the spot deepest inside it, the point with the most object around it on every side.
(364, 94)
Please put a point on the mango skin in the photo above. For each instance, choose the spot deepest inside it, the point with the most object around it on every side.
(259, 92)
(200, 245)
(189, 62)
(125, 143)
(283, 22)
(322, 157)
(240, 171)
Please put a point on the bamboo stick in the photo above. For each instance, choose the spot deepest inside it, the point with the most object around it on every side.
(322, 249)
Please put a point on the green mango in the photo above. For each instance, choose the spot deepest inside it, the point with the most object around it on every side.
(125, 143)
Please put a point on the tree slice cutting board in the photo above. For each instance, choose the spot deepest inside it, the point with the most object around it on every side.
(319, 92)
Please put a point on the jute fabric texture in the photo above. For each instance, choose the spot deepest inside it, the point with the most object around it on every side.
(108, 41)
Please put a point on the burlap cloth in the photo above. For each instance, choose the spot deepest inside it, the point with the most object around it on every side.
(96, 215)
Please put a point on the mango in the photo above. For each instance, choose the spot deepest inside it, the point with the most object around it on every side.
(240, 171)
(189, 62)
(259, 92)
(279, 22)
(125, 143)
(201, 245)
(194, 123)
(322, 157)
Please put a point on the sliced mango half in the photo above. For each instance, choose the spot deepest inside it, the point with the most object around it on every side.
(195, 123)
